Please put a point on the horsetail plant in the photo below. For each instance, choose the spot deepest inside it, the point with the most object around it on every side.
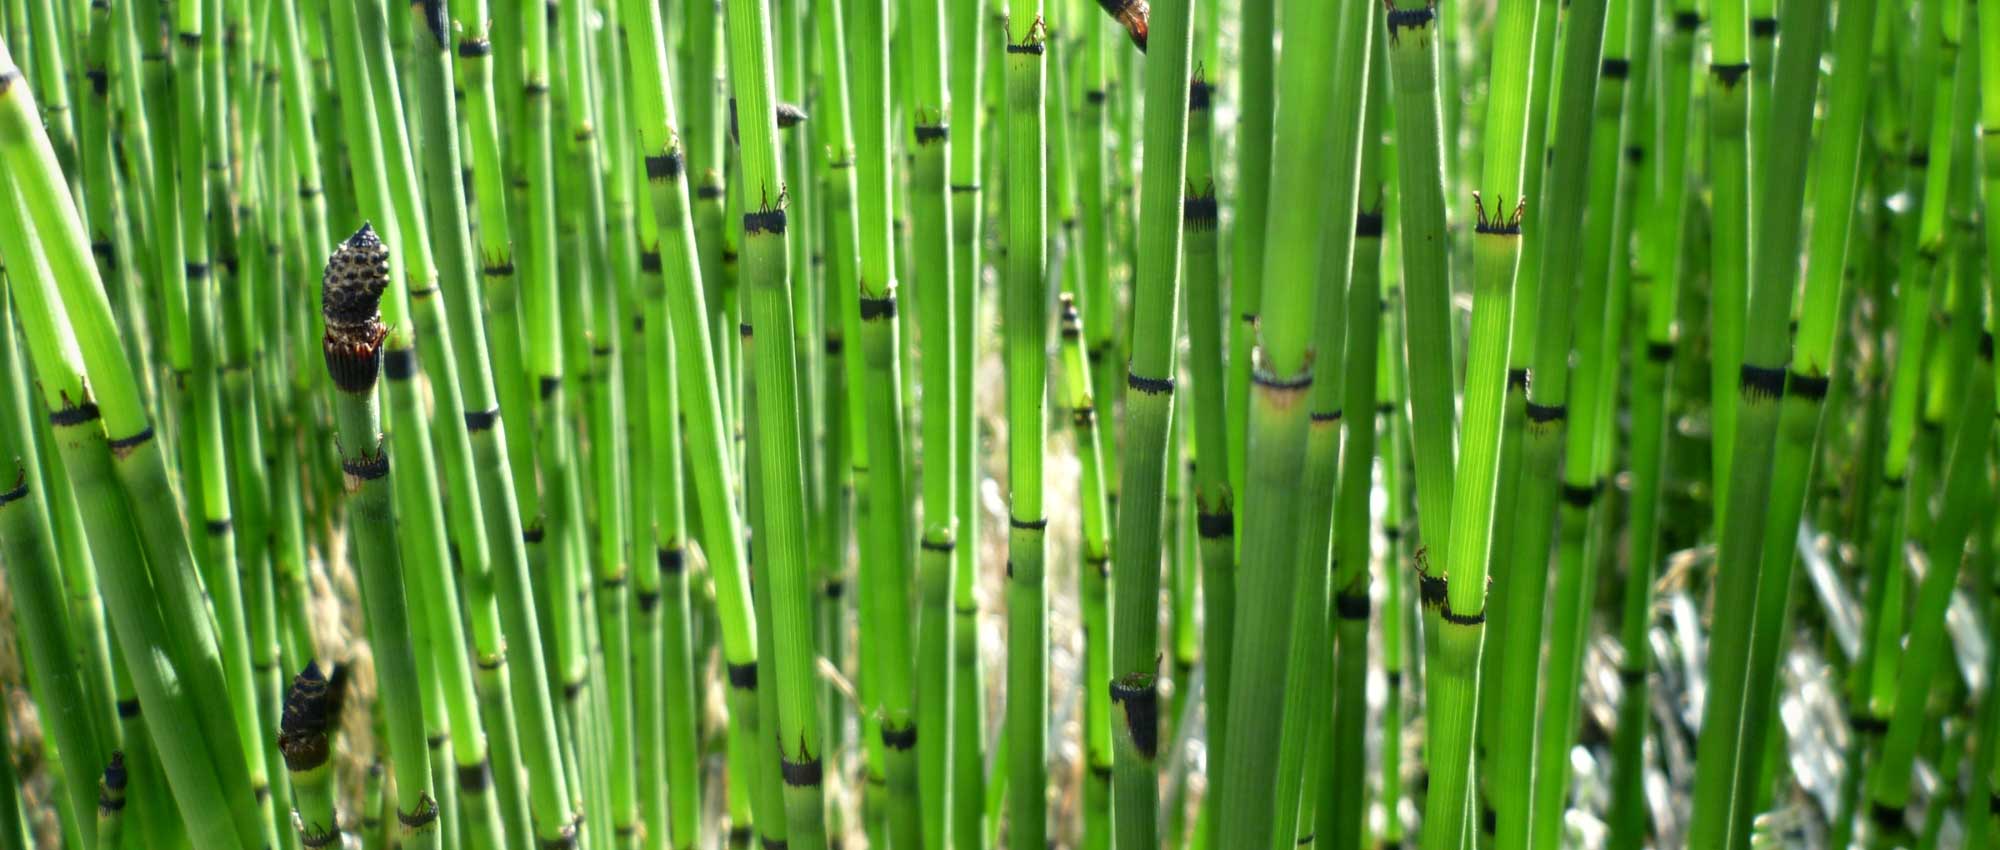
(1149, 408)
(357, 276)
(1286, 362)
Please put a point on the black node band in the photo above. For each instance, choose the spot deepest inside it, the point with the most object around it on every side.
(804, 772)
(1368, 225)
(1808, 387)
(899, 739)
(128, 708)
(1213, 525)
(1351, 606)
(1517, 378)
(1660, 352)
(1614, 68)
(1029, 49)
(1199, 94)
(764, 221)
(1579, 496)
(928, 133)
(475, 779)
(743, 676)
(420, 818)
(673, 560)
(399, 364)
(550, 386)
(367, 468)
(76, 414)
(1201, 212)
(878, 308)
(1545, 413)
(1295, 383)
(665, 166)
(1029, 524)
(1149, 386)
(930, 545)
(1410, 18)
(1141, 701)
(1729, 75)
(19, 492)
(648, 600)
(1763, 382)
(475, 48)
(482, 420)
(220, 527)
(1764, 27)
(1430, 589)
(1453, 617)
(1889, 818)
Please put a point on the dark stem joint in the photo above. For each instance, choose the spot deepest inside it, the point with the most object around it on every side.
(770, 220)
(806, 771)
(743, 676)
(220, 527)
(931, 133)
(1326, 417)
(482, 420)
(1293, 383)
(1729, 75)
(550, 385)
(399, 364)
(899, 739)
(1762, 382)
(1149, 386)
(1201, 212)
(1517, 379)
(1546, 413)
(1764, 27)
(1351, 606)
(1660, 352)
(1809, 387)
(1453, 617)
(878, 308)
(126, 444)
(1214, 525)
(649, 262)
(425, 815)
(1430, 589)
(75, 414)
(367, 467)
(1029, 524)
(474, 48)
(666, 166)
(961, 188)
(1199, 94)
(1141, 702)
(648, 601)
(673, 560)
(1615, 68)
(1579, 496)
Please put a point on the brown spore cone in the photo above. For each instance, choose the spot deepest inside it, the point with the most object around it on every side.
(351, 302)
